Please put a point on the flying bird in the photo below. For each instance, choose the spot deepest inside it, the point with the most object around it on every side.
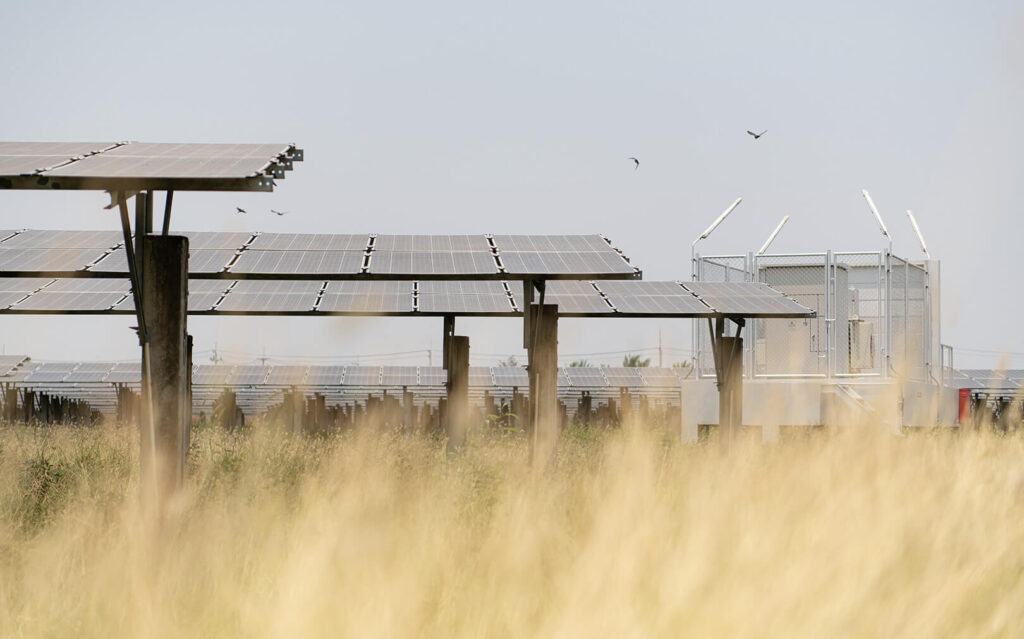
(240, 209)
(278, 212)
(757, 135)
(636, 163)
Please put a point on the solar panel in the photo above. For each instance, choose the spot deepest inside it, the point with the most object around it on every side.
(367, 297)
(268, 303)
(168, 160)
(458, 297)
(522, 263)
(287, 375)
(309, 242)
(746, 299)
(88, 285)
(510, 376)
(199, 261)
(45, 239)
(212, 374)
(22, 259)
(414, 263)
(124, 373)
(248, 375)
(8, 363)
(398, 375)
(142, 165)
(637, 296)
(69, 302)
(480, 376)
(204, 240)
(298, 262)
(432, 243)
(24, 284)
(20, 158)
(582, 376)
(325, 375)
(362, 376)
(9, 298)
(433, 376)
(623, 377)
(89, 372)
(570, 296)
(551, 243)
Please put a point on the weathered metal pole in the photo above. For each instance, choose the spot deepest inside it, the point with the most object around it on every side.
(458, 392)
(165, 301)
(543, 368)
(730, 392)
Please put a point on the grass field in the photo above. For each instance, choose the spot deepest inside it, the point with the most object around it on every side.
(632, 534)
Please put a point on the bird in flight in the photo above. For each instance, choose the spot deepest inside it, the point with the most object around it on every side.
(240, 209)
(636, 163)
(757, 135)
(278, 212)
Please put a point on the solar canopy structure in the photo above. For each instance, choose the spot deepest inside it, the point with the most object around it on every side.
(293, 256)
(128, 166)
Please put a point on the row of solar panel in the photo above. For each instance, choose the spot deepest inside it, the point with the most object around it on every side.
(302, 255)
(596, 298)
(387, 376)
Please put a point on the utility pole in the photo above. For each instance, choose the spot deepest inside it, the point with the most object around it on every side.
(659, 349)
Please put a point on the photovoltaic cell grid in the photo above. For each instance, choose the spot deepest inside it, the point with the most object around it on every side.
(296, 256)
(746, 299)
(269, 297)
(100, 165)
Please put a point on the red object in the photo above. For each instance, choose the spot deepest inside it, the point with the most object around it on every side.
(965, 406)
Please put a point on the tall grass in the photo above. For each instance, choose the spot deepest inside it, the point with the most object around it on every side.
(380, 535)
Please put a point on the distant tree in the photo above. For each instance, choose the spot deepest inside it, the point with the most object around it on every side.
(680, 364)
(635, 361)
(580, 363)
(511, 362)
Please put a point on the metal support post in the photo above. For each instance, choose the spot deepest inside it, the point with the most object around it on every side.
(165, 296)
(458, 393)
(543, 368)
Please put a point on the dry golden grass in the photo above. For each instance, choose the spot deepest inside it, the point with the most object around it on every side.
(829, 535)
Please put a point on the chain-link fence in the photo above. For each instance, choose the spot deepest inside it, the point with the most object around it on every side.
(865, 325)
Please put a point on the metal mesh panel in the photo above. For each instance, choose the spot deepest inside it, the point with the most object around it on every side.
(794, 346)
(898, 315)
(917, 332)
(864, 330)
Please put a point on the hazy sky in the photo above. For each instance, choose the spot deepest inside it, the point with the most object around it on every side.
(473, 117)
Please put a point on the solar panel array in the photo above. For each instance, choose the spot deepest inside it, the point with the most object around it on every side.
(259, 386)
(332, 257)
(635, 298)
(144, 165)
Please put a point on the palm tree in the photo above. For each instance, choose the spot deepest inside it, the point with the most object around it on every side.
(580, 363)
(634, 361)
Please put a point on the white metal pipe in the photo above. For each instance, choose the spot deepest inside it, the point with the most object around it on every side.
(878, 218)
(917, 230)
(771, 238)
(718, 221)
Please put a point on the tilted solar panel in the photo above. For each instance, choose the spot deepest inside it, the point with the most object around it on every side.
(298, 262)
(463, 297)
(746, 299)
(310, 242)
(415, 263)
